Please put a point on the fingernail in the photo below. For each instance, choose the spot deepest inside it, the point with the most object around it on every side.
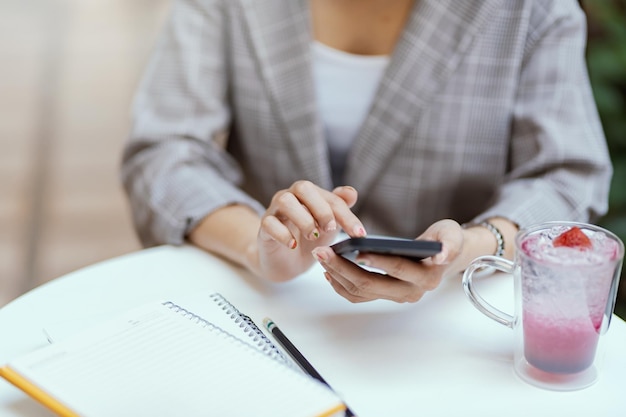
(320, 254)
(359, 231)
(331, 226)
(327, 276)
(314, 234)
(293, 244)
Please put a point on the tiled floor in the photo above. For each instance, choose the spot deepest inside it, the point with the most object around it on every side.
(68, 69)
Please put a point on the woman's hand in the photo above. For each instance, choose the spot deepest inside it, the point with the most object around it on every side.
(405, 281)
(299, 219)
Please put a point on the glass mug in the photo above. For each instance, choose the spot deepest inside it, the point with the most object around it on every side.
(564, 300)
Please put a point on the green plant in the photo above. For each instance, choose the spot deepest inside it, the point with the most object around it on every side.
(606, 59)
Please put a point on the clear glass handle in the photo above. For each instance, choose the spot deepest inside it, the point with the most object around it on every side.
(483, 306)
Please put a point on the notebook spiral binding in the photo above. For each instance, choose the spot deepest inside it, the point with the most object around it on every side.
(250, 328)
(257, 337)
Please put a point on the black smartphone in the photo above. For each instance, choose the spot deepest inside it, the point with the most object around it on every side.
(415, 250)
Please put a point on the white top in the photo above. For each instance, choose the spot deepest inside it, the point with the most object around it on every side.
(439, 357)
(345, 85)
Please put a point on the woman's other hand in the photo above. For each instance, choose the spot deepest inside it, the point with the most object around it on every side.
(405, 280)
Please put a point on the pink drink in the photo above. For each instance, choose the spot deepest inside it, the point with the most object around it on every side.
(564, 298)
(559, 347)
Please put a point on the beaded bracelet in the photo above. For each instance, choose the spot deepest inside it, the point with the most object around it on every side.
(496, 232)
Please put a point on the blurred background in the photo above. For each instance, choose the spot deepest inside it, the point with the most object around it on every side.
(606, 59)
(68, 71)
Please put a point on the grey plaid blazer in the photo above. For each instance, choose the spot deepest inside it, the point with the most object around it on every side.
(484, 110)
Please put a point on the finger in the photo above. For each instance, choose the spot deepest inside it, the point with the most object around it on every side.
(314, 199)
(364, 284)
(419, 274)
(339, 289)
(289, 208)
(347, 194)
(274, 229)
(373, 286)
(346, 219)
(448, 232)
(334, 209)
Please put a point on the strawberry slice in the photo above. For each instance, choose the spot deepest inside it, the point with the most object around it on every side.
(573, 238)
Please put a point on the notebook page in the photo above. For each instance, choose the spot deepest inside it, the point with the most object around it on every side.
(154, 361)
(212, 306)
(218, 310)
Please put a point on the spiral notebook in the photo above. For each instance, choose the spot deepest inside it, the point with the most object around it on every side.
(229, 318)
(162, 359)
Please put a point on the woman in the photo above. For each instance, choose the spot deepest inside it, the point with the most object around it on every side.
(258, 120)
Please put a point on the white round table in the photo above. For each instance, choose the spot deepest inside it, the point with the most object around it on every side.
(437, 357)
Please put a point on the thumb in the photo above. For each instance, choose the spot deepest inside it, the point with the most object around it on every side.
(450, 234)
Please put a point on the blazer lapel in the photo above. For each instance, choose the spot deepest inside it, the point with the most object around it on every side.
(281, 34)
(437, 35)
